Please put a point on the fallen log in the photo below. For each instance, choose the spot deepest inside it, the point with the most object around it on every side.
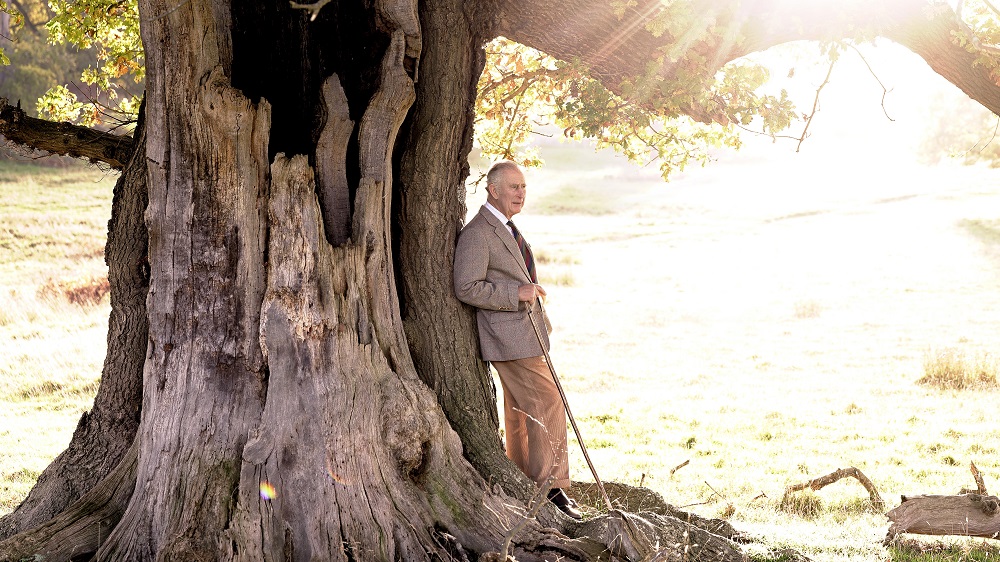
(972, 515)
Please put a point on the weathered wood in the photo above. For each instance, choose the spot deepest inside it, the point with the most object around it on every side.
(348, 457)
(971, 515)
(207, 155)
(826, 480)
(82, 528)
(373, 202)
(63, 138)
(331, 163)
(978, 477)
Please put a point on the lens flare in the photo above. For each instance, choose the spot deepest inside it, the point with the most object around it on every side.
(267, 491)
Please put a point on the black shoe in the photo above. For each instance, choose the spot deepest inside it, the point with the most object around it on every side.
(565, 504)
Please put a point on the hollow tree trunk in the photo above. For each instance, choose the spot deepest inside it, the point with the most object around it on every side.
(104, 434)
(282, 415)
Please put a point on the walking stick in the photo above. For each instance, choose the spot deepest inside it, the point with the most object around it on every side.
(569, 414)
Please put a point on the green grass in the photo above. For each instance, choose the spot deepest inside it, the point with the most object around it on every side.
(53, 224)
(967, 550)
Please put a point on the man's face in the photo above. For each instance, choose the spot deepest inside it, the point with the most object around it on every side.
(507, 194)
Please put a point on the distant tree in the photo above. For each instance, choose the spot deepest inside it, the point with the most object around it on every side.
(289, 376)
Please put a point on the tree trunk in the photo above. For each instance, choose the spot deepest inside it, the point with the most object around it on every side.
(282, 416)
(440, 330)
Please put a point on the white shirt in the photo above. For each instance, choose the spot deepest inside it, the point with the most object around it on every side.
(499, 216)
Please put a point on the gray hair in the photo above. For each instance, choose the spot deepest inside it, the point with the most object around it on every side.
(498, 170)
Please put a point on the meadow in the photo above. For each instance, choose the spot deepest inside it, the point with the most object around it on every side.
(770, 319)
(765, 325)
(53, 320)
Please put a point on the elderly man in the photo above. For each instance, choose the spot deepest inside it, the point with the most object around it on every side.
(495, 272)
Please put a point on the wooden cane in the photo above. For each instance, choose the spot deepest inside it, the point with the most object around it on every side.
(569, 414)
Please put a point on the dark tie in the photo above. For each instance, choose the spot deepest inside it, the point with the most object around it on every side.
(529, 260)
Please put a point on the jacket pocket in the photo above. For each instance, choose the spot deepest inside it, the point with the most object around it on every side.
(503, 317)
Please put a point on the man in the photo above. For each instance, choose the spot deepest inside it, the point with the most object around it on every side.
(495, 272)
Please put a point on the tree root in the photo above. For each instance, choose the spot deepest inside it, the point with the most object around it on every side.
(83, 526)
(642, 500)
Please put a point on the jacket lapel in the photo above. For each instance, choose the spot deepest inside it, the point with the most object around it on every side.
(507, 238)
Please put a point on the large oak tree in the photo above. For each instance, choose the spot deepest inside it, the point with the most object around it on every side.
(289, 376)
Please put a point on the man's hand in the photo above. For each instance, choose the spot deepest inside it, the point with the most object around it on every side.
(530, 292)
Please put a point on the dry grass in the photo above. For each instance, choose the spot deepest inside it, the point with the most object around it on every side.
(89, 289)
(53, 321)
(808, 309)
(952, 369)
(960, 550)
(575, 200)
(806, 504)
(556, 269)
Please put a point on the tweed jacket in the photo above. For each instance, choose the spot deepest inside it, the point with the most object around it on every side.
(488, 271)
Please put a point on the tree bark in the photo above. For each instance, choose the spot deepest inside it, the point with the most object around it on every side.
(970, 515)
(203, 379)
(64, 138)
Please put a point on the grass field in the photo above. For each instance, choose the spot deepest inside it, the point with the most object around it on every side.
(770, 330)
(765, 331)
(53, 224)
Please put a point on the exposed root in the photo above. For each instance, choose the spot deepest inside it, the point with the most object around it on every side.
(83, 527)
(636, 500)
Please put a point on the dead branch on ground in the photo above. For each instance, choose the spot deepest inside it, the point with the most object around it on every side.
(817, 483)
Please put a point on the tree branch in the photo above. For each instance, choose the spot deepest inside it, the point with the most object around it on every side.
(617, 50)
(63, 138)
(815, 108)
(885, 90)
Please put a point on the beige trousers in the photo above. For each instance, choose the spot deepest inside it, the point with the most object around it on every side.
(534, 420)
